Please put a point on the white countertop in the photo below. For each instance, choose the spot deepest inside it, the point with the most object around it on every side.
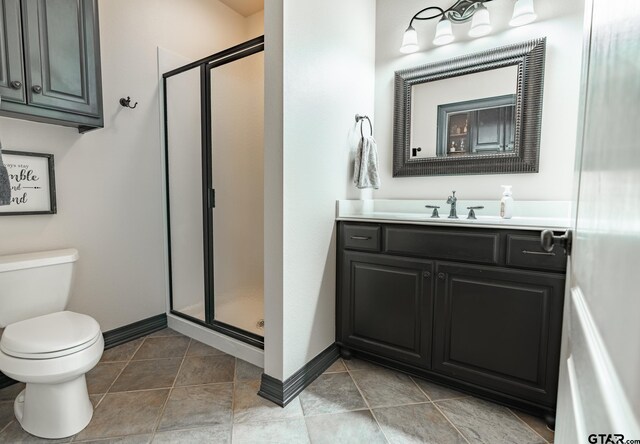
(528, 215)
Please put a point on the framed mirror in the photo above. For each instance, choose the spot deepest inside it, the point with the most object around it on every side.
(475, 114)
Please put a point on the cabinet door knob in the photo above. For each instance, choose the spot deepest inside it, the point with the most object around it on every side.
(441, 276)
(16, 84)
(36, 89)
(426, 274)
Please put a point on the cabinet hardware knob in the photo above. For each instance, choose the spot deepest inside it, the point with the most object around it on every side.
(16, 84)
(426, 274)
(36, 89)
(441, 276)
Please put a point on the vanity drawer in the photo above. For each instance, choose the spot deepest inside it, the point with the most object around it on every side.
(459, 245)
(526, 252)
(361, 237)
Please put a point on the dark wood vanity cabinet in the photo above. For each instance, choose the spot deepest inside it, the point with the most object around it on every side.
(50, 57)
(389, 302)
(478, 309)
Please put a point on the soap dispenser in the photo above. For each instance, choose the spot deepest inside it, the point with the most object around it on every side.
(506, 203)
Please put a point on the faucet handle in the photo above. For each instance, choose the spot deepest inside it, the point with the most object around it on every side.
(472, 214)
(435, 210)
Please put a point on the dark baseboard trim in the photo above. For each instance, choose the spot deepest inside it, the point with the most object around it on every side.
(133, 331)
(284, 392)
(5, 381)
(118, 336)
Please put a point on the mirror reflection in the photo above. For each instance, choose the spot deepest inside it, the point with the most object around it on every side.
(471, 114)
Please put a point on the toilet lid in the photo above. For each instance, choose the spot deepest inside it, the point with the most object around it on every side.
(48, 336)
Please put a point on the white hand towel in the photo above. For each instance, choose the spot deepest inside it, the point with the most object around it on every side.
(365, 173)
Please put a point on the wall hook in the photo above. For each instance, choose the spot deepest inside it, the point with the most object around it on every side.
(127, 102)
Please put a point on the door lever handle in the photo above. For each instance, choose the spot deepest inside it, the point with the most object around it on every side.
(548, 240)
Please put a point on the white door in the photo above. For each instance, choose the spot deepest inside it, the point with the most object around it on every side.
(599, 392)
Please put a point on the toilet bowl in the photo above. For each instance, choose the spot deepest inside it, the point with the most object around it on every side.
(50, 351)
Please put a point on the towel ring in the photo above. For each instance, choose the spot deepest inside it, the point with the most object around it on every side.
(360, 118)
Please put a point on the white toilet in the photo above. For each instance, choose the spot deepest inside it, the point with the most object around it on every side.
(47, 348)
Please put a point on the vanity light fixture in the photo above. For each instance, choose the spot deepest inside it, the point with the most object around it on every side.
(461, 12)
(523, 13)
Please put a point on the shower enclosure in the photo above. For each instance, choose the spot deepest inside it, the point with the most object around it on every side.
(214, 125)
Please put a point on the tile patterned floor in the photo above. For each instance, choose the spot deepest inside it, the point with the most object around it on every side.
(167, 388)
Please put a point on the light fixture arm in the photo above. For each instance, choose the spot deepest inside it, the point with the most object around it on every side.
(439, 14)
(461, 11)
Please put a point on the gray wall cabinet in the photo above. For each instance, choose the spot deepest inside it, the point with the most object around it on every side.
(479, 310)
(50, 59)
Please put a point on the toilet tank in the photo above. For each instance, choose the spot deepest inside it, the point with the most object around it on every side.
(35, 284)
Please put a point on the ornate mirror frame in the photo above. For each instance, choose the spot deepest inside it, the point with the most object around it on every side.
(529, 57)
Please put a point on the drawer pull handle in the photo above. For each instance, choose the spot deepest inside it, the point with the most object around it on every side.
(361, 237)
(539, 253)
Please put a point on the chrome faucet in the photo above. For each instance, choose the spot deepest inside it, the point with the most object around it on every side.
(452, 201)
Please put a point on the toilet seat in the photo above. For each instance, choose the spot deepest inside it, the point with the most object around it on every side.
(50, 336)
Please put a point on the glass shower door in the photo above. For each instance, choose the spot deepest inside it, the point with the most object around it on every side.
(183, 156)
(237, 127)
(214, 114)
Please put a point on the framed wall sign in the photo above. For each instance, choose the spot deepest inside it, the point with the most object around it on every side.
(33, 186)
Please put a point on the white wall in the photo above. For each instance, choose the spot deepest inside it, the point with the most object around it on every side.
(109, 180)
(560, 22)
(324, 67)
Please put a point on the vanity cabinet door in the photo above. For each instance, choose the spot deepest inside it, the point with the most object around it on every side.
(499, 328)
(385, 306)
(62, 55)
(11, 66)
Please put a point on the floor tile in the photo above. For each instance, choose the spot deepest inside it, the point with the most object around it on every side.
(484, 422)
(122, 352)
(246, 371)
(293, 431)
(100, 378)
(336, 367)
(537, 424)
(220, 434)
(121, 414)
(438, 392)
(14, 434)
(11, 393)
(198, 406)
(165, 347)
(197, 348)
(164, 332)
(6, 413)
(358, 364)
(206, 370)
(382, 388)
(95, 399)
(248, 406)
(331, 393)
(143, 375)
(345, 428)
(133, 439)
(418, 423)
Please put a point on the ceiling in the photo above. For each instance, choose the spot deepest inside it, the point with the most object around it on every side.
(245, 7)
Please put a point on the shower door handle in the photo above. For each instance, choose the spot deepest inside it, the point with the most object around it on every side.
(212, 198)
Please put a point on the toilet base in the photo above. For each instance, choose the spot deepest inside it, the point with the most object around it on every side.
(54, 411)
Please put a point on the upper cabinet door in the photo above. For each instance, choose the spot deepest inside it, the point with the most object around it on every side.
(61, 42)
(11, 67)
